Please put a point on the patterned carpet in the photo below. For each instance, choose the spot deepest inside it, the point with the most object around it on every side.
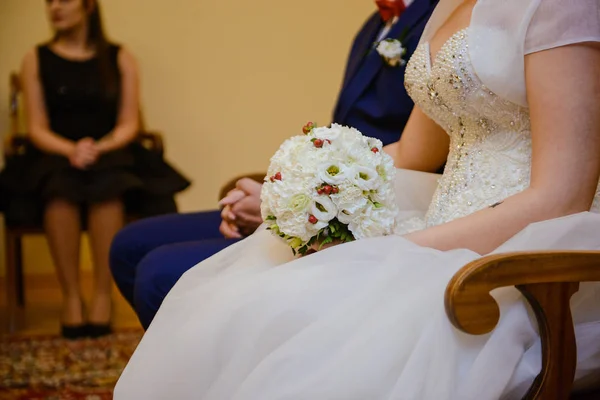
(50, 368)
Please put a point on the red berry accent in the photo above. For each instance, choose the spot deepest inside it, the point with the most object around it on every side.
(312, 219)
(318, 143)
(278, 176)
(308, 127)
(375, 150)
(327, 189)
(335, 190)
(272, 179)
(320, 191)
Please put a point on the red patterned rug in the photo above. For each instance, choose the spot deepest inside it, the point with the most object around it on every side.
(50, 368)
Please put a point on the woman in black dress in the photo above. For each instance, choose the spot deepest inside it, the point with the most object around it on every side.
(82, 102)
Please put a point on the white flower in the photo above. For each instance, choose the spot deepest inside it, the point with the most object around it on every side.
(334, 173)
(299, 203)
(324, 209)
(366, 178)
(295, 225)
(375, 144)
(350, 201)
(358, 182)
(325, 133)
(392, 51)
(366, 226)
(374, 222)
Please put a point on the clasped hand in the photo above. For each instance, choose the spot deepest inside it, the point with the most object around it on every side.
(241, 209)
(84, 154)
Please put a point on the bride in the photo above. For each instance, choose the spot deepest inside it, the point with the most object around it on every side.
(508, 95)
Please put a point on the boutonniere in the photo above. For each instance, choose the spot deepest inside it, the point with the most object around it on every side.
(392, 52)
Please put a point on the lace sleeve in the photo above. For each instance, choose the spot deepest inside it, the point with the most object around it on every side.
(502, 32)
(558, 23)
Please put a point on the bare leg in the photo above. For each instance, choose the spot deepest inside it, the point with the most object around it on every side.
(63, 231)
(104, 221)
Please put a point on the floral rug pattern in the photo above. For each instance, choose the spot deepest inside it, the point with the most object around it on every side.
(51, 368)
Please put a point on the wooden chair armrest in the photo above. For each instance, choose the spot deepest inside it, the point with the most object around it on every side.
(547, 280)
(472, 309)
(152, 141)
(16, 144)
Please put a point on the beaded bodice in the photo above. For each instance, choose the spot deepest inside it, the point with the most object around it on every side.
(490, 138)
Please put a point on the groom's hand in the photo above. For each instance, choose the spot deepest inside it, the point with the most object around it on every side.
(228, 228)
(241, 211)
(247, 210)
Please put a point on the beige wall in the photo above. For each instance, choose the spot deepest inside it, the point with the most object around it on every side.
(224, 86)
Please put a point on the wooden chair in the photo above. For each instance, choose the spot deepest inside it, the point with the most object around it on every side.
(17, 144)
(547, 280)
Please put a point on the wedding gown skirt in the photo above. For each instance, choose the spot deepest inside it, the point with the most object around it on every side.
(366, 320)
(363, 320)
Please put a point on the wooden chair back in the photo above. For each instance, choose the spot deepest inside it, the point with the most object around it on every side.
(17, 141)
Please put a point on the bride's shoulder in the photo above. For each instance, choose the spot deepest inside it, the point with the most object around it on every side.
(515, 28)
(535, 25)
(557, 23)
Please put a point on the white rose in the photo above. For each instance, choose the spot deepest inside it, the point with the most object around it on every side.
(350, 201)
(392, 51)
(325, 133)
(366, 178)
(307, 161)
(352, 137)
(357, 152)
(295, 225)
(299, 203)
(374, 143)
(372, 223)
(386, 170)
(334, 173)
(324, 209)
(390, 48)
(384, 196)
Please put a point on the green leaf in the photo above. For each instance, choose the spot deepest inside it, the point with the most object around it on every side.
(327, 240)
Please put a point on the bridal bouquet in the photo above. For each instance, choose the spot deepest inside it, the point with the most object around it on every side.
(332, 183)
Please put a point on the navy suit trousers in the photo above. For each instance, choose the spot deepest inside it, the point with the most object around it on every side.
(147, 257)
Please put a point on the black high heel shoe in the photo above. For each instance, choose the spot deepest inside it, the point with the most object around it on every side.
(74, 332)
(98, 330)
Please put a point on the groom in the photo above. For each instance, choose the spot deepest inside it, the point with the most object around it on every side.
(149, 256)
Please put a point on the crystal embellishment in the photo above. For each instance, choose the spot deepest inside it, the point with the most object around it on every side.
(490, 138)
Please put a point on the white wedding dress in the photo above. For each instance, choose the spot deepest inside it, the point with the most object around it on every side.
(366, 320)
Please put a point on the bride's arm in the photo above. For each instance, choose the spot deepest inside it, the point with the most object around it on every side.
(563, 92)
(423, 146)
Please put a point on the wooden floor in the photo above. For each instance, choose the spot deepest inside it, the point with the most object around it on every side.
(43, 302)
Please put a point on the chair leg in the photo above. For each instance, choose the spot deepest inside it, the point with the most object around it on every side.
(11, 279)
(19, 281)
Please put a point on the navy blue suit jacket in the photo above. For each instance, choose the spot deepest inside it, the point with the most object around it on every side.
(373, 99)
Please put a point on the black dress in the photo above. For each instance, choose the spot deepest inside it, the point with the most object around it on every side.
(78, 106)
